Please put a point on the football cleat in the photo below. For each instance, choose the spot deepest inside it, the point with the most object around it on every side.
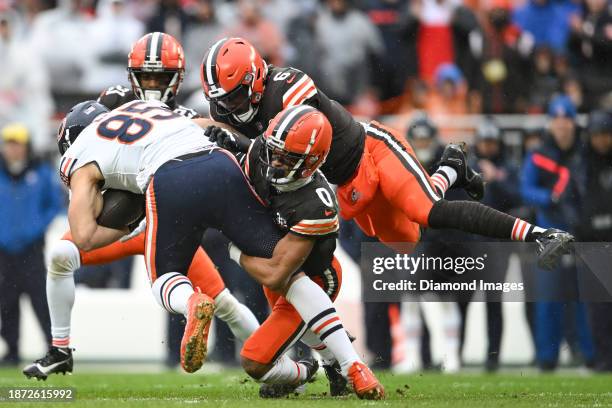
(364, 383)
(552, 244)
(284, 389)
(194, 346)
(57, 360)
(338, 385)
(455, 156)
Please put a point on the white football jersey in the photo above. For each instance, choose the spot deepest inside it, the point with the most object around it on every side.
(130, 143)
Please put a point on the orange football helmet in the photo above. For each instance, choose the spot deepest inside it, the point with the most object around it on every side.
(297, 142)
(156, 58)
(233, 75)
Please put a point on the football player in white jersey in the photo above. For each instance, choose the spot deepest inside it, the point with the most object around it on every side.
(156, 68)
(190, 185)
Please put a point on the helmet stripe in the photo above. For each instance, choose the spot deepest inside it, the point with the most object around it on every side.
(154, 48)
(211, 63)
(288, 120)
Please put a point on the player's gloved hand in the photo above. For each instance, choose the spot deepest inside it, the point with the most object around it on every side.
(140, 228)
(552, 244)
(455, 156)
(234, 252)
(227, 140)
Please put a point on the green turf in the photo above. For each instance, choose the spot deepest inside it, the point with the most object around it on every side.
(231, 388)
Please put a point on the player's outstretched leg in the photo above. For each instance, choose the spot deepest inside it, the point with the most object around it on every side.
(64, 260)
(317, 310)
(174, 292)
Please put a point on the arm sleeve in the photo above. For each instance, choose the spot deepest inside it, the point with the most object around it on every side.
(472, 217)
(530, 191)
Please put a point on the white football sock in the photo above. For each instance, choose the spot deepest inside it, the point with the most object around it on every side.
(241, 321)
(284, 371)
(444, 178)
(317, 310)
(172, 291)
(314, 342)
(63, 260)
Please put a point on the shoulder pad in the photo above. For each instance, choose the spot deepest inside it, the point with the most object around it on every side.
(296, 86)
(116, 96)
(320, 215)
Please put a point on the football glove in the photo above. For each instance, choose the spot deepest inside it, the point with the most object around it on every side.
(552, 244)
(228, 140)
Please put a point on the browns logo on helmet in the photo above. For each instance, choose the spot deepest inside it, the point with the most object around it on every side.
(233, 75)
(156, 66)
(296, 144)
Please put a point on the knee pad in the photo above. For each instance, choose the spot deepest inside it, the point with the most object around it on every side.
(63, 259)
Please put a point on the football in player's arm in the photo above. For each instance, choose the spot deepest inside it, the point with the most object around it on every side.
(85, 207)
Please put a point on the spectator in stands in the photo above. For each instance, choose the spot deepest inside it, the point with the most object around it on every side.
(544, 81)
(551, 181)
(203, 30)
(282, 12)
(61, 37)
(504, 62)
(398, 28)
(423, 137)
(304, 51)
(435, 35)
(548, 22)
(113, 32)
(467, 32)
(591, 45)
(449, 95)
(502, 193)
(24, 85)
(263, 34)
(349, 41)
(30, 198)
(596, 222)
(572, 87)
(170, 18)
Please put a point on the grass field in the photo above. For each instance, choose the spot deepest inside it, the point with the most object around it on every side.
(231, 388)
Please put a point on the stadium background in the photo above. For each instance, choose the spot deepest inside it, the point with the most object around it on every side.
(461, 62)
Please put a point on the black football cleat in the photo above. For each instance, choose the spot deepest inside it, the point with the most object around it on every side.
(338, 385)
(58, 360)
(552, 244)
(455, 156)
(282, 390)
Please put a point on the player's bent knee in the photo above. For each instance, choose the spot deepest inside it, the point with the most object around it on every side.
(63, 259)
(254, 369)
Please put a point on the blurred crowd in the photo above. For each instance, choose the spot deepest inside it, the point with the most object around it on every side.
(374, 56)
(412, 63)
